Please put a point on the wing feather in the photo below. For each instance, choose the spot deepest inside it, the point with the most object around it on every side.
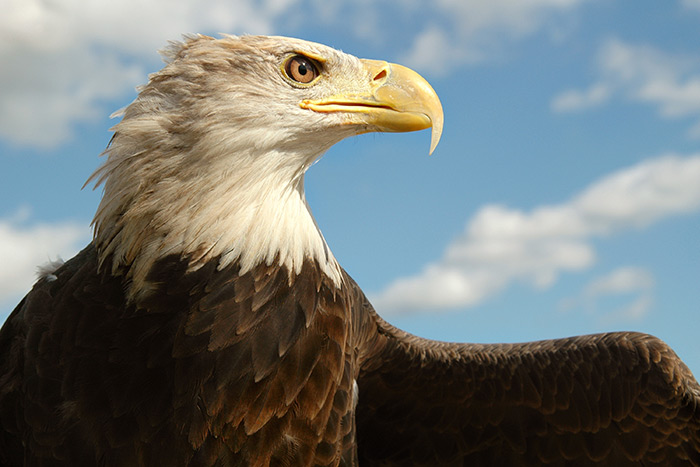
(615, 399)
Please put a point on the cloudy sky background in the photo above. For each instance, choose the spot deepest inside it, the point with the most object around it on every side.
(563, 199)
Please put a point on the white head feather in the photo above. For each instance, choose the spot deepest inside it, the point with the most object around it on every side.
(209, 160)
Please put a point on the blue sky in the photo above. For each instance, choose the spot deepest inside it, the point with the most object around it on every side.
(563, 199)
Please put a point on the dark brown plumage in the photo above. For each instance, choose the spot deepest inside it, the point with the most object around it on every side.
(208, 324)
(214, 372)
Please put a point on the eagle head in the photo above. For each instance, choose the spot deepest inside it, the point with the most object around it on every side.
(208, 162)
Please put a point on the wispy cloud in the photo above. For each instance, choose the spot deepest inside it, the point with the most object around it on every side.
(469, 31)
(502, 245)
(24, 247)
(695, 4)
(669, 82)
(574, 99)
(620, 281)
(634, 285)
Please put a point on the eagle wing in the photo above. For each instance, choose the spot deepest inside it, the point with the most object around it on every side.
(616, 399)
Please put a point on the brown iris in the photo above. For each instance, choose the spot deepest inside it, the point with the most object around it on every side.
(301, 69)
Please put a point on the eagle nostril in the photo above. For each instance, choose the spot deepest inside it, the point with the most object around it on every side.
(381, 75)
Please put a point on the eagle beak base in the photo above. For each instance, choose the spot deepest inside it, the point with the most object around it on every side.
(398, 100)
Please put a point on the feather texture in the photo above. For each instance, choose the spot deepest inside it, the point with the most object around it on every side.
(612, 399)
(158, 381)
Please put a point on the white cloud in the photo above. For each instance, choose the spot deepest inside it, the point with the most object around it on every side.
(471, 30)
(47, 93)
(640, 73)
(501, 245)
(23, 248)
(64, 59)
(434, 50)
(641, 195)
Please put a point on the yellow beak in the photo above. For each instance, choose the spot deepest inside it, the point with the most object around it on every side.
(398, 99)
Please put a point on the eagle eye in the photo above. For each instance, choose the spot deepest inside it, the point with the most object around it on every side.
(301, 69)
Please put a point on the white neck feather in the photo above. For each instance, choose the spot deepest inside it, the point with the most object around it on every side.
(249, 209)
(265, 220)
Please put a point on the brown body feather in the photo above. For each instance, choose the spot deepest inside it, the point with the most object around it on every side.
(209, 325)
(219, 369)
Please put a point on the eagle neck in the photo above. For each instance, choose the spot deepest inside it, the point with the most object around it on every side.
(249, 209)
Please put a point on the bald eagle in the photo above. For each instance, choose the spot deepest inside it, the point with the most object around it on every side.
(208, 323)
